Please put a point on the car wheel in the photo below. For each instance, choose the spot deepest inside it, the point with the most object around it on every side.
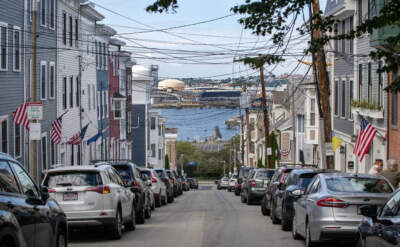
(170, 199)
(242, 199)
(8, 237)
(360, 241)
(275, 220)
(309, 242)
(148, 212)
(153, 205)
(248, 201)
(117, 227)
(131, 225)
(158, 200)
(264, 209)
(140, 216)
(295, 235)
(286, 224)
(61, 239)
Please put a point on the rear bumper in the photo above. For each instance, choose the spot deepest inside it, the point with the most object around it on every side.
(256, 194)
(91, 222)
(332, 230)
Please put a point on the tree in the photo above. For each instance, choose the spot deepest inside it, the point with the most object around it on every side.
(166, 161)
(274, 149)
(272, 17)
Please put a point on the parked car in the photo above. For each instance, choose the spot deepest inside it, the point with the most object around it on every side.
(223, 183)
(27, 211)
(184, 182)
(193, 183)
(277, 178)
(381, 227)
(243, 173)
(180, 190)
(93, 195)
(133, 179)
(169, 185)
(255, 185)
(157, 186)
(175, 182)
(288, 192)
(330, 206)
(232, 182)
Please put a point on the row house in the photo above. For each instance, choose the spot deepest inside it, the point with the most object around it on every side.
(358, 89)
(170, 141)
(156, 139)
(128, 120)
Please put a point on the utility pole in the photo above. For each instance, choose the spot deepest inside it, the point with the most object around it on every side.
(250, 150)
(266, 117)
(32, 144)
(242, 136)
(322, 88)
(294, 152)
(80, 105)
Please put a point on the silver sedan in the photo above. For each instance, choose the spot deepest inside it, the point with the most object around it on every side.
(329, 209)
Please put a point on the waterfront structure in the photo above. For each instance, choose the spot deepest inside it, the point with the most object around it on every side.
(171, 85)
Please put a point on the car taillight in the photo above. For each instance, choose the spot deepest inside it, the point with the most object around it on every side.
(253, 183)
(52, 190)
(100, 189)
(173, 180)
(135, 183)
(154, 180)
(332, 203)
(239, 185)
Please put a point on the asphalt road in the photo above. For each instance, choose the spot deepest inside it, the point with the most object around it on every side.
(204, 218)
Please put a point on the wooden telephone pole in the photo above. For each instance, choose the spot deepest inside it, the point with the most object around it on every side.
(249, 147)
(242, 136)
(266, 116)
(32, 143)
(322, 84)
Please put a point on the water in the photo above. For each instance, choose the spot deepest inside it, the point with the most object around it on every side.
(193, 122)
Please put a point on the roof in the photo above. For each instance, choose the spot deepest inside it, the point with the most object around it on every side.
(89, 10)
(105, 30)
(141, 73)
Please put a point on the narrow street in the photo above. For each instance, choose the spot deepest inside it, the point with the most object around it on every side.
(207, 217)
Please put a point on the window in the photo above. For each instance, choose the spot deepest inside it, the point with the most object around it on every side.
(3, 47)
(52, 80)
(43, 80)
(8, 183)
(153, 150)
(52, 11)
(53, 153)
(351, 97)
(129, 122)
(343, 98)
(43, 5)
(159, 154)
(336, 42)
(17, 140)
(97, 54)
(360, 81)
(336, 97)
(64, 93)
(351, 23)
(395, 108)
(153, 123)
(370, 83)
(106, 104)
(312, 112)
(78, 155)
(72, 155)
(344, 40)
(77, 92)
(71, 91)
(28, 186)
(380, 86)
(89, 90)
(360, 12)
(71, 30)
(98, 103)
(44, 152)
(117, 109)
(77, 32)
(101, 55)
(64, 28)
(17, 49)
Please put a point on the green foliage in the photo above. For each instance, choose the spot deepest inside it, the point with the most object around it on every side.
(166, 162)
(274, 148)
(259, 163)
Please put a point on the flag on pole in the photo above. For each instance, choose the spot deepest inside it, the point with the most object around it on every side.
(365, 136)
(78, 137)
(94, 138)
(56, 128)
(336, 142)
(20, 115)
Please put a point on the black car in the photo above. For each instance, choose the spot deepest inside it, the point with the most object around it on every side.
(243, 173)
(180, 187)
(287, 193)
(278, 178)
(27, 215)
(168, 183)
(381, 227)
(254, 186)
(175, 181)
(131, 175)
(193, 183)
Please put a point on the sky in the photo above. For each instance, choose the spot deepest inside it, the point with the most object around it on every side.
(206, 50)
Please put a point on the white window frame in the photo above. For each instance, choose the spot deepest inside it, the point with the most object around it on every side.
(4, 119)
(107, 105)
(3, 24)
(115, 109)
(52, 65)
(15, 30)
(45, 14)
(55, 15)
(43, 97)
(98, 105)
(70, 92)
(20, 141)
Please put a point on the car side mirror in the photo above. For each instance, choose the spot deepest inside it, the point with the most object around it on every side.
(298, 193)
(44, 191)
(370, 211)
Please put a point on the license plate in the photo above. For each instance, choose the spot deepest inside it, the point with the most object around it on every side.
(70, 196)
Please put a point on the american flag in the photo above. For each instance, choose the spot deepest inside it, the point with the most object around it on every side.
(78, 137)
(365, 137)
(55, 133)
(20, 115)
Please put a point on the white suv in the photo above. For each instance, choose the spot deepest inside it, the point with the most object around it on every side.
(93, 196)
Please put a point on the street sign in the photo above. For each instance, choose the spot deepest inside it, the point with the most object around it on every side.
(34, 131)
(269, 151)
(329, 149)
(251, 155)
(35, 111)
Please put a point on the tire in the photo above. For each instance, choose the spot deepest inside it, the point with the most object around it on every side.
(131, 225)
(170, 199)
(164, 200)
(237, 193)
(147, 213)
(309, 242)
(360, 241)
(275, 220)
(286, 223)
(264, 209)
(9, 242)
(248, 199)
(158, 200)
(116, 232)
(295, 235)
(153, 205)
(242, 199)
(140, 216)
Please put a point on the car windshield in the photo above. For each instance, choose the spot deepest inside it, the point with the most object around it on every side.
(305, 179)
(124, 172)
(148, 173)
(73, 178)
(264, 174)
(160, 173)
(358, 185)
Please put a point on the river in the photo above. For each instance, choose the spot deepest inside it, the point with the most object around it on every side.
(200, 122)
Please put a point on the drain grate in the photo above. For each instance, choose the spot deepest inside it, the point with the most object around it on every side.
(206, 187)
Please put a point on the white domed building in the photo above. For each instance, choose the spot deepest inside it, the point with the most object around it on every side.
(171, 85)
